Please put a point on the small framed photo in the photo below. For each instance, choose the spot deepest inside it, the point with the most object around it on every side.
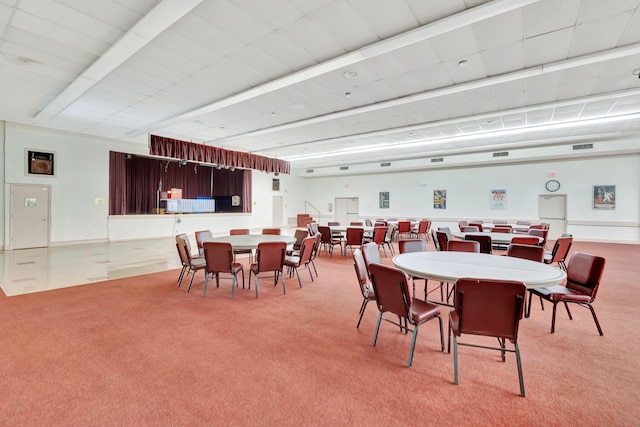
(439, 199)
(384, 200)
(275, 184)
(498, 199)
(40, 163)
(604, 197)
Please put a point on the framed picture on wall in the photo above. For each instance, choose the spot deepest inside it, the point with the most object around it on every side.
(439, 199)
(384, 200)
(498, 199)
(275, 184)
(40, 163)
(604, 197)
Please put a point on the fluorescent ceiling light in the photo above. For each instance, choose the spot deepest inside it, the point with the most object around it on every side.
(468, 137)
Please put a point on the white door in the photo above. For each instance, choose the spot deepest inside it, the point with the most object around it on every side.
(552, 209)
(277, 211)
(347, 209)
(29, 216)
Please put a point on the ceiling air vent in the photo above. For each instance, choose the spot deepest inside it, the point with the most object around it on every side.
(344, 168)
(382, 165)
(437, 160)
(501, 154)
(309, 170)
(583, 146)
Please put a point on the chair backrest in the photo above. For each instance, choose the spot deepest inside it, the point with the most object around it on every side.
(499, 221)
(270, 256)
(325, 233)
(379, 234)
(202, 236)
(442, 239)
(239, 231)
(499, 229)
(523, 222)
(300, 235)
(539, 233)
(447, 231)
(391, 229)
(434, 239)
(476, 224)
(391, 289)
(316, 246)
(484, 240)
(423, 226)
(356, 224)
(306, 249)
(183, 249)
(218, 257)
(489, 307)
(368, 222)
(354, 235)
(530, 252)
(584, 272)
(561, 249)
(469, 229)
(463, 223)
(274, 231)
(330, 223)
(361, 272)
(411, 245)
(525, 240)
(313, 228)
(463, 246)
(404, 226)
(371, 254)
(380, 223)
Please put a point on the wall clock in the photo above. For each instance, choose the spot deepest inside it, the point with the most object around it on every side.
(552, 185)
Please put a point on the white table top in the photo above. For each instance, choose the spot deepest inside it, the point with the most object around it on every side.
(450, 266)
(501, 238)
(250, 241)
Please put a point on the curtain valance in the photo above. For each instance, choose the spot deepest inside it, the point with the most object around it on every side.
(169, 147)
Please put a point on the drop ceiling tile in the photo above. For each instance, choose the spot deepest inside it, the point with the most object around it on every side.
(386, 19)
(284, 52)
(474, 70)
(510, 95)
(312, 39)
(548, 16)
(499, 30)
(632, 31)
(503, 59)
(594, 10)
(549, 47)
(346, 26)
(456, 44)
(599, 34)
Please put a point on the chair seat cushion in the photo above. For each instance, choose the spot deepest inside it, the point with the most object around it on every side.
(198, 262)
(291, 261)
(236, 267)
(560, 293)
(421, 311)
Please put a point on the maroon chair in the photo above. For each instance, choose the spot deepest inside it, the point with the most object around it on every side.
(328, 240)
(584, 272)
(476, 224)
(371, 254)
(469, 229)
(501, 229)
(443, 240)
(362, 273)
(525, 240)
(484, 240)
(559, 253)
(201, 237)
(355, 237)
(392, 295)
(190, 264)
(530, 252)
(269, 258)
(300, 235)
(404, 228)
(242, 232)
(491, 308)
(218, 258)
(422, 230)
(463, 246)
(274, 231)
(540, 233)
(378, 238)
(302, 259)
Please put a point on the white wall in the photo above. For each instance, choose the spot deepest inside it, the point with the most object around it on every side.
(82, 175)
(468, 194)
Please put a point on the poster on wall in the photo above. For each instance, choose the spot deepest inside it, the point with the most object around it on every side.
(40, 163)
(498, 199)
(604, 197)
(384, 200)
(439, 199)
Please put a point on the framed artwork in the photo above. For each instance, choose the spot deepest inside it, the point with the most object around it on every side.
(384, 200)
(40, 163)
(275, 184)
(439, 199)
(498, 199)
(604, 197)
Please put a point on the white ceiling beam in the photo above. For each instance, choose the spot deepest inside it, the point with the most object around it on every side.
(425, 32)
(161, 17)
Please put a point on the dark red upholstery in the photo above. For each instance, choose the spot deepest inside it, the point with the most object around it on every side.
(559, 253)
(269, 258)
(531, 252)
(484, 240)
(302, 259)
(328, 240)
(469, 229)
(362, 275)
(275, 231)
(392, 295)
(584, 272)
(443, 240)
(355, 235)
(491, 308)
(463, 246)
(218, 258)
(525, 240)
(190, 264)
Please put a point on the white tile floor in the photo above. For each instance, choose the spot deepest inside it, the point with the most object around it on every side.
(34, 270)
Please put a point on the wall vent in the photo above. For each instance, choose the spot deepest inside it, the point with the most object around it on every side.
(437, 160)
(344, 168)
(382, 165)
(583, 146)
(309, 170)
(501, 154)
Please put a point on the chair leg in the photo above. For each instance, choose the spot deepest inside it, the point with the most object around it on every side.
(206, 280)
(314, 267)
(181, 276)
(502, 351)
(413, 345)
(553, 317)
(455, 359)
(234, 280)
(284, 290)
(566, 306)
(519, 363)
(441, 334)
(595, 319)
(193, 274)
(375, 334)
(362, 308)
(298, 275)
